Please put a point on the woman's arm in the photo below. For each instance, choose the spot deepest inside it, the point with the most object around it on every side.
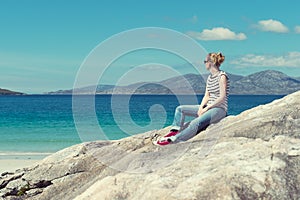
(203, 102)
(205, 98)
(223, 87)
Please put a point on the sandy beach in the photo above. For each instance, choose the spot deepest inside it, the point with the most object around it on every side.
(10, 165)
(11, 161)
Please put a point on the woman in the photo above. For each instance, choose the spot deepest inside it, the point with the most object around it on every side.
(212, 109)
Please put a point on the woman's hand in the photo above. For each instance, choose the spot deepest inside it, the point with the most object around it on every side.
(202, 110)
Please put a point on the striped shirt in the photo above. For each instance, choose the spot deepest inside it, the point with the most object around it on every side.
(213, 88)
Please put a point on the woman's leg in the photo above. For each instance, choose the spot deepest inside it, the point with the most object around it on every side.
(201, 122)
(180, 113)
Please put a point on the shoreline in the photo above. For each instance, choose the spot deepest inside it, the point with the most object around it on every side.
(11, 165)
(146, 94)
(11, 161)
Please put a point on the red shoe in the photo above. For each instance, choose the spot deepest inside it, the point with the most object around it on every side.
(162, 142)
(165, 141)
(172, 133)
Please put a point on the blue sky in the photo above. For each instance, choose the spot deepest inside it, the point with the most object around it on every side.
(43, 43)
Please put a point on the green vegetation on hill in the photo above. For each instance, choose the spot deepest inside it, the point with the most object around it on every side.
(9, 92)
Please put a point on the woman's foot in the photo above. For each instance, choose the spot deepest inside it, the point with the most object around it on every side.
(172, 133)
(165, 141)
(162, 142)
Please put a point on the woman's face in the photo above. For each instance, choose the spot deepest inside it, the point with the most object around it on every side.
(207, 63)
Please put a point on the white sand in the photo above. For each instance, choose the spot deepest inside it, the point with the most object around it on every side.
(10, 165)
(11, 161)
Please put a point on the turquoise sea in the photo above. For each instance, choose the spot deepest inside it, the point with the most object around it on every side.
(44, 123)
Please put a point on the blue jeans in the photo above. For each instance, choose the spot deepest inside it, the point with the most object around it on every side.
(198, 124)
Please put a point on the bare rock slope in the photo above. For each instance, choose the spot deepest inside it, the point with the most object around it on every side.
(254, 155)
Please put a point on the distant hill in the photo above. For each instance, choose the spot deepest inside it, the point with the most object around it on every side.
(84, 90)
(9, 92)
(264, 82)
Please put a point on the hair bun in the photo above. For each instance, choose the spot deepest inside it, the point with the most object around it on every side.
(220, 58)
(216, 58)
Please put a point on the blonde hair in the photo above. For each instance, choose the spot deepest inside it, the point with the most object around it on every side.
(216, 58)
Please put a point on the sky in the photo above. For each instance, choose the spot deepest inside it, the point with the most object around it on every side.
(44, 43)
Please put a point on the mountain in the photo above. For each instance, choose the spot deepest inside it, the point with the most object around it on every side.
(178, 85)
(264, 82)
(253, 155)
(84, 90)
(9, 92)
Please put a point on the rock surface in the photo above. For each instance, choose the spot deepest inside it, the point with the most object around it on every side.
(254, 155)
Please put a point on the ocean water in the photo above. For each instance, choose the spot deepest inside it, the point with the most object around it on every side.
(45, 124)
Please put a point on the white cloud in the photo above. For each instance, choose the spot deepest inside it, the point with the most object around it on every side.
(218, 33)
(291, 59)
(297, 29)
(271, 25)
